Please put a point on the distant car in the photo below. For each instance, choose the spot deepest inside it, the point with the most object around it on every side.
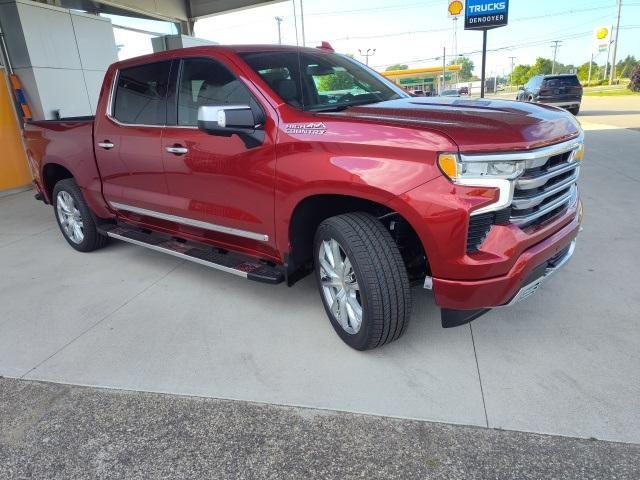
(449, 93)
(418, 93)
(558, 90)
(463, 90)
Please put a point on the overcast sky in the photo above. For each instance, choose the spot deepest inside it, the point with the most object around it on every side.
(415, 32)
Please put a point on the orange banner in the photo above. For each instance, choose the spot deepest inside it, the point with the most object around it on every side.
(14, 171)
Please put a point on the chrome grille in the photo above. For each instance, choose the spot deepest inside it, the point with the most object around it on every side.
(547, 187)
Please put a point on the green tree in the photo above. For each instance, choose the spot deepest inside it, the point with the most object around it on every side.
(626, 66)
(466, 67)
(583, 71)
(397, 66)
(543, 66)
(634, 84)
(339, 80)
(520, 74)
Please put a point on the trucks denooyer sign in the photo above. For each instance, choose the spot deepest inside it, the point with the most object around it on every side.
(483, 14)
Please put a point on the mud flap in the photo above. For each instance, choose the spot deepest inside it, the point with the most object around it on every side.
(454, 318)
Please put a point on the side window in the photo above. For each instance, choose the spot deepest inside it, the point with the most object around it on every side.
(140, 96)
(206, 82)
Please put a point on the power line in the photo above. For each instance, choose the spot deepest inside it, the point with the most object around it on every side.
(416, 32)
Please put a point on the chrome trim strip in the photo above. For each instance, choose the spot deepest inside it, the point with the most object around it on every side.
(568, 103)
(532, 287)
(193, 223)
(524, 219)
(168, 251)
(523, 203)
(527, 183)
(529, 155)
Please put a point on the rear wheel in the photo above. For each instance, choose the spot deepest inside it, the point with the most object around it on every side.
(74, 217)
(362, 280)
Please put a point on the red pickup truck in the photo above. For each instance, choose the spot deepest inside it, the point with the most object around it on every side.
(274, 162)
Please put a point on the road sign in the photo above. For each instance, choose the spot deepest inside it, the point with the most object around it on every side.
(456, 8)
(485, 14)
(601, 39)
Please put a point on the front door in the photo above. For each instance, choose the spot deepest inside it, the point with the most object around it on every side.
(219, 184)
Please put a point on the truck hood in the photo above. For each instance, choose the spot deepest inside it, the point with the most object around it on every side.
(476, 125)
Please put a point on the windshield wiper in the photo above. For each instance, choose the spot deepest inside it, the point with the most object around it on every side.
(342, 106)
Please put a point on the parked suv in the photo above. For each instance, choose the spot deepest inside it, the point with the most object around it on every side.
(245, 159)
(558, 90)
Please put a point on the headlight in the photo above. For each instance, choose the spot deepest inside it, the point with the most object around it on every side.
(483, 173)
(459, 171)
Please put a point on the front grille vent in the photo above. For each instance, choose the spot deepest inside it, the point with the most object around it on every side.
(480, 226)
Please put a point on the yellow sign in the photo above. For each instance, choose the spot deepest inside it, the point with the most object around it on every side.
(456, 7)
(601, 39)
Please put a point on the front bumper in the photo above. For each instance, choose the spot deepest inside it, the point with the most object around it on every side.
(529, 271)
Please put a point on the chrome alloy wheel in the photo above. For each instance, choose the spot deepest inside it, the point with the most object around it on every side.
(69, 216)
(340, 286)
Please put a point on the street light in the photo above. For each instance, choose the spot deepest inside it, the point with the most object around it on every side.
(279, 20)
(366, 54)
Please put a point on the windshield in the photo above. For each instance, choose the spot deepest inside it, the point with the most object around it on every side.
(320, 81)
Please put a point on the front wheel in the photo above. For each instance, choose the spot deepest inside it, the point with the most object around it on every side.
(574, 110)
(74, 217)
(362, 280)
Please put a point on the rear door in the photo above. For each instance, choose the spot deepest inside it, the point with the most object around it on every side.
(128, 138)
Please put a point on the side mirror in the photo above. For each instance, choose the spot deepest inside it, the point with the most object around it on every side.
(226, 120)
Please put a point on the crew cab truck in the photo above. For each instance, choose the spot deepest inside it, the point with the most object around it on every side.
(245, 159)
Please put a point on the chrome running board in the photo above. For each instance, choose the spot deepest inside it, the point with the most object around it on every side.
(234, 263)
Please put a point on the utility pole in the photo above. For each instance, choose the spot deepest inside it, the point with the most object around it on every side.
(590, 65)
(615, 45)
(302, 23)
(555, 46)
(606, 65)
(513, 62)
(444, 68)
(279, 21)
(484, 62)
(366, 54)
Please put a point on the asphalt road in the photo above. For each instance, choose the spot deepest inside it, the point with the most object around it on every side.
(53, 431)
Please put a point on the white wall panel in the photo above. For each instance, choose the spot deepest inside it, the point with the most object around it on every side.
(95, 41)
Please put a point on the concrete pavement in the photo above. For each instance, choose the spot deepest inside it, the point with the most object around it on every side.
(564, 362)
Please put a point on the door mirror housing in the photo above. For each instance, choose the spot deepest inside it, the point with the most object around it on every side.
(226, 120)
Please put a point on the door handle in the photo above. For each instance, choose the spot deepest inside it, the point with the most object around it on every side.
(177, 150)
(106, 145)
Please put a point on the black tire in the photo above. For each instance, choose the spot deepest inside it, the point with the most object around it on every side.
(384, 290)
(575, 110)
(92, 238)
